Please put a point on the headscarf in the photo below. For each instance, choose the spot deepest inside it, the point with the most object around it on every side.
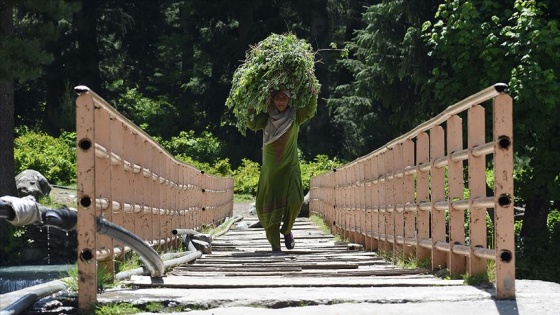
(278, 123)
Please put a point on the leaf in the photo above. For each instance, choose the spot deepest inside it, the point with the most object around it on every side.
(277, 62)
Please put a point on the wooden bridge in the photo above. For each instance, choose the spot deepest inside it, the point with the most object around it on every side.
(241, 271)
(408, 199)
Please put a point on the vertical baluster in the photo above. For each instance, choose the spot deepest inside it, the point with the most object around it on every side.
(422, 195)
(439, 258)
(457, 263)
(477, 188)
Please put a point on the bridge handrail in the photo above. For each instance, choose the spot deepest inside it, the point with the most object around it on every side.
(407, 197)
(127, 178)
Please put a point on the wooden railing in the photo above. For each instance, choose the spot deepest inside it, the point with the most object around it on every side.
(409, 197)
(128, 179)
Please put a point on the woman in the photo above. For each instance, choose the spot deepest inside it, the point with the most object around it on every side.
(280, 192)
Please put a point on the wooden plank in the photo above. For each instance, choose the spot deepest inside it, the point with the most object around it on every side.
(242, 259)
(275, 282)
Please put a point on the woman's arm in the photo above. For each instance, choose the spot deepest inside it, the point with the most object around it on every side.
(303, 114)
(258, 122)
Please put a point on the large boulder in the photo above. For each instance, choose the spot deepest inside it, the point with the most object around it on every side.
(32, 183)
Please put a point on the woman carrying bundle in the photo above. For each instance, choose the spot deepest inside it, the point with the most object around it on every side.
(280, 191)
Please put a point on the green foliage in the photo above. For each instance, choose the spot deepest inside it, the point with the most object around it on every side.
(15, 240)
(55, 158)
(321, 164)
(131, 261)
(277, 62)
(246, 177)
(536, 257)
(204, 147)
(71, 279)
(23, 51)
(153, 115)
(116, 309)
(389, 65)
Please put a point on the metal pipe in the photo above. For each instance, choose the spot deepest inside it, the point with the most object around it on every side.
(18, 301)
(147, 254)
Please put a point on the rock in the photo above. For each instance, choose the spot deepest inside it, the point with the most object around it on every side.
(204, 247)
(203, 237)
(242, 226)
(256, 225)
(253, 209)
(304, 211)
(32, 183)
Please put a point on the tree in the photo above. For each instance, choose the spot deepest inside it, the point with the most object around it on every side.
(22, 50)
(7, 166)
(514, 42)
(389, 65)
(23, 56)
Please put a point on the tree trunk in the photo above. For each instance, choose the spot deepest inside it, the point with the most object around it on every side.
(86, 33)
(7, 164)
(536, 214)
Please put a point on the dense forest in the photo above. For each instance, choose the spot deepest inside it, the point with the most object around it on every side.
(384, 67)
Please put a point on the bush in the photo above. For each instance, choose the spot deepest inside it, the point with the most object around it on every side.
(204, 148)
(321, 164)
(536, 256)
(246, 177)
(55, 158)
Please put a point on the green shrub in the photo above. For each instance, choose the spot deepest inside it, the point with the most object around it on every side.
(537, 257)
(204, 147)
(321, 164)
(152, 115)
(55, 158)
(246, 177)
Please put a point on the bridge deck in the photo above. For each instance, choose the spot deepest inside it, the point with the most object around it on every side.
(241, 258)
(320, 276)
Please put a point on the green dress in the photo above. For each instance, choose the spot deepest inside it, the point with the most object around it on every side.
(280, 190)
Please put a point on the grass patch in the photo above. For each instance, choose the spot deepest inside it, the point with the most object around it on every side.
(131, 261)
(486, 278)
(243, 198)
(320, 223)
(71, 279)
(404, 262)
(117, 309)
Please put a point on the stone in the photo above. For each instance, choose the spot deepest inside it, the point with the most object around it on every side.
(203, 237)
(304, 211)
(204, 247)
(32, 183)
(253, 209)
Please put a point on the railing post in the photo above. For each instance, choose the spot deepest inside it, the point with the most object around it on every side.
(503, 197)
(398, 200)
(477, 188)
(456, 262)
(408, 199)
(375, 202)
(103, 187)
(383, 202)
(87, 232)
(118, 176)
(367, 204)
(422, 195)
(439, 258)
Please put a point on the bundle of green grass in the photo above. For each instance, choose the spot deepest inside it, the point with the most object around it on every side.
(278, 62)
